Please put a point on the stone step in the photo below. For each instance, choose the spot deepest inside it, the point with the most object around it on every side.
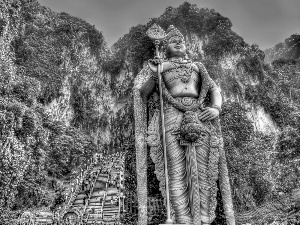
(95, 201)
(96, 168)
(95, 211)
(111, 209)
(107, 213)
(94, 204)
(94, 207)
(103, 179)
(108, 205)
(81, 195)
(96, 214)
(103, 175)
(100, 185)
(97, 193)
(112, 191)
(77, 202)
(107, 217)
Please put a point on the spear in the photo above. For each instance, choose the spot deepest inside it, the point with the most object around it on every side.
(156, 33)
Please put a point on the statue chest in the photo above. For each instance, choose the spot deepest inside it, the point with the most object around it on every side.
(182, 82)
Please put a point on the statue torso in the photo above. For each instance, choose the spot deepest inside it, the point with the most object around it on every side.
(182, 80)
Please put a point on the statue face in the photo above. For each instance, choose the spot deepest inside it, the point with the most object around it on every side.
(176, 47)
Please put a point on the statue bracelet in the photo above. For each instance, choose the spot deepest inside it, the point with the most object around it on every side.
(217, 107)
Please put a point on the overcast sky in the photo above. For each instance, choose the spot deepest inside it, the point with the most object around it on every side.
(264, 22)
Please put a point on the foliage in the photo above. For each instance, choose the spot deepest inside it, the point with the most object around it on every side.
(159, 218)
(286, 167)
(129, 218)
(40, 50)
(153, 183)
(220, 215)
(34, 146)
(204, 23)
(130, 169)
(289, 50)
(248, 157)
(130, 183)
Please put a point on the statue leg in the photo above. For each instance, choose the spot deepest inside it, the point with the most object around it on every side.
(179, 195)
(202, 152)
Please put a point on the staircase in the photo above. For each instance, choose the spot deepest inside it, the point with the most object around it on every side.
(98, 197)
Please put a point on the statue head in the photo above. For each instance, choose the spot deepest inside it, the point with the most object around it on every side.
(174, 43)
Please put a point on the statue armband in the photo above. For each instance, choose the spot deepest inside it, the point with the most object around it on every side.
(217, 107)
(153, 76)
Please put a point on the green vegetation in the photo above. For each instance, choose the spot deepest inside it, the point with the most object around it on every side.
(288, 50)
(37, 151)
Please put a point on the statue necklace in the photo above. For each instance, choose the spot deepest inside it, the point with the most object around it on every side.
(183, 69)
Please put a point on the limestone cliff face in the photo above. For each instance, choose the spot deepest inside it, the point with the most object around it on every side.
(58, 105)
(76, 90)
(289, 49)
(263, 121)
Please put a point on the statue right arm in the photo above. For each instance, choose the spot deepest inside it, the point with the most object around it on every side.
(149, 80)
(147, 88)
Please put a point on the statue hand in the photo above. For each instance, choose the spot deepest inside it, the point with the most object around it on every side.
(153, 63)
(209, 114)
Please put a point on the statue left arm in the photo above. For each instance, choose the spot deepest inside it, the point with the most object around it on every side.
(212, 112)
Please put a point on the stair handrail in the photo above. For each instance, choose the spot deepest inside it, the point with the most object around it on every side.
(105, 194)
(89, 197)
(77, 188)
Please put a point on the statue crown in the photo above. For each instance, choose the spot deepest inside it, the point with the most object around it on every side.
(172, 32)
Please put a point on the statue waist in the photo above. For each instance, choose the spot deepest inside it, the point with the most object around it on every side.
(189, 103)
(188, 90)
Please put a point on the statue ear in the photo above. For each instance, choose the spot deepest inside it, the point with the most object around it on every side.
(186, 56)
(166, 52)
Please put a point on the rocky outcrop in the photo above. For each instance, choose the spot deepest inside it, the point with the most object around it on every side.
(289, 49)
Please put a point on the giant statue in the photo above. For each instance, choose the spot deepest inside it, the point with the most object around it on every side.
(183, 133)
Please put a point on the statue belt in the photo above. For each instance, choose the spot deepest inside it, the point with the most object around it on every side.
(186, 103)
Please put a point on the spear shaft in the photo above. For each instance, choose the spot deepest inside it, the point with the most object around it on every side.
(156, 33)
(159, 68)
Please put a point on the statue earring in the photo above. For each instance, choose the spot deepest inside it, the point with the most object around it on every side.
(164, 55)
(186, 56)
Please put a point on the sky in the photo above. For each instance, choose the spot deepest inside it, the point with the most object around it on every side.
(263, 22)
